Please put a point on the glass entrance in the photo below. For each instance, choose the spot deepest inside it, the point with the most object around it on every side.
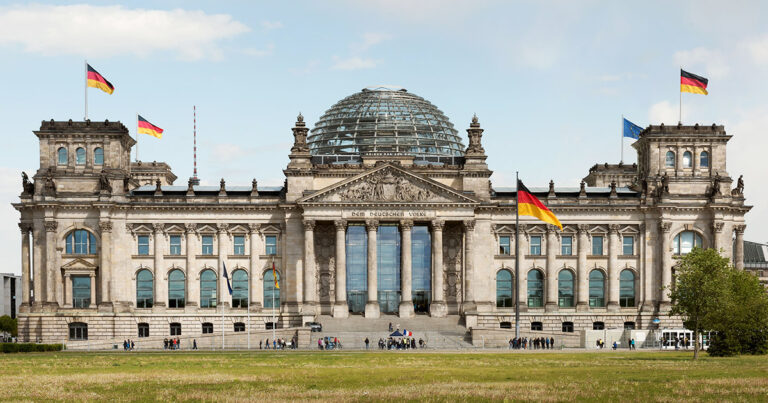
(421, 300)
(421, 268)
(357, 268)
(356, 301)
(388, 257)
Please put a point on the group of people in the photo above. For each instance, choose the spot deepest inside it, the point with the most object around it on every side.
(391, 343)
(128, 345)
(279, 344)
(535, 343)
(601, 344)
(328, 343)
(173, 344)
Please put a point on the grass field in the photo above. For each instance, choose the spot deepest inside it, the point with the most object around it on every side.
(604, 376)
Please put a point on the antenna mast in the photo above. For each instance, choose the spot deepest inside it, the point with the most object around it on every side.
(194, 179)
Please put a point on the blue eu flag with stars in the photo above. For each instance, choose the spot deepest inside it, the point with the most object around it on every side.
(631, 130)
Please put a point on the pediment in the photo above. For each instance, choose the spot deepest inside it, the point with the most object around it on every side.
(388, 184)
(79, 264)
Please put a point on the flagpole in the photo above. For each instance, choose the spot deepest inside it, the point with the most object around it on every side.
(86, 89)
(622, 139)
(680, 121)
(248, 312)
(517, 256)
(274, 278)
(137, 136)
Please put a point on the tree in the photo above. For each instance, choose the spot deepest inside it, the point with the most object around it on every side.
(699, 290)
(8, 325)
(740, 325)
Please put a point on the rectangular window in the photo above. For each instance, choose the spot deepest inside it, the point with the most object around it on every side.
(597, 245)
(81, 292)
(504, 245)
(239, 244)
(207, 244)
(567, 327)
(271, 244)
(175, 329)
(628, 246)
(175, 244)
(143, 329)
(535, 245)
(567, 246)
(143, 244)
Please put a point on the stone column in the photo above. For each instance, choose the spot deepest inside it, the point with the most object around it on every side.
(613, 268)
(717, 235)
(582, 277)
(739, 258)
(521, 286)
(38, 268)
(551, 282)
(192, 285)
(372, 305)
(310, 269)
(25, 276)
(93, 290)
(105, 265)
(224, 299)
(406, 272)
(666, 263)
(67, 291)
(437, 308)
(254, 273)
(469, 303)
(161, 285)
(50, 262)
(340, 307)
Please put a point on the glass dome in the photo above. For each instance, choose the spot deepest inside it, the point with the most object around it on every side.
(385, 120)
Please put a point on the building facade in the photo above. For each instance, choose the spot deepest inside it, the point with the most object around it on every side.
(383, 212)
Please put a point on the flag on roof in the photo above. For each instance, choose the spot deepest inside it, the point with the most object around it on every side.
(96, 80)
(528, 204)
(148, 128)
(631, 130)
(690, 82)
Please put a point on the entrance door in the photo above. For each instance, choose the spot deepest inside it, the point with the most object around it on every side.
(356, 301)
(421, 301)
(389, 301)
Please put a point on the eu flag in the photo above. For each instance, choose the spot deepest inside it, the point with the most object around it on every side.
(631, 130)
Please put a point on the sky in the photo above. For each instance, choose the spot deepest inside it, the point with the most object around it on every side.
(549, 80)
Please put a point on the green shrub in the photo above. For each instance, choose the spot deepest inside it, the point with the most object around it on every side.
(29, 347)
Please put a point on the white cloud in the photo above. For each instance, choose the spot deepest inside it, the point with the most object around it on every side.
(665, 112)
(270, 25)
(713, 62)
(370, 39)
(103, 31)
(758, 50)
(353, 63)
(260, 52)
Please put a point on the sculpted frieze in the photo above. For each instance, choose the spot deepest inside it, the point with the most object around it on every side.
(386, 185)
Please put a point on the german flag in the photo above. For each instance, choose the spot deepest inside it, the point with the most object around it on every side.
(96, 80)
(528, 204)
(274, 275)
(692, 83)
(148, 128)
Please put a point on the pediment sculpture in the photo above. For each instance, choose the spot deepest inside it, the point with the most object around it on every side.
(387, 185)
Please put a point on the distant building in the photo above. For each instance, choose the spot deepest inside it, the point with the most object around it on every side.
(756, 260)
(10, 294)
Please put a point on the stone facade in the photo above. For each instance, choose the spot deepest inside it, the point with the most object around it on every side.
(175, 235)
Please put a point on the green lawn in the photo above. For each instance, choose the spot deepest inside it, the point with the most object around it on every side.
(604, 376)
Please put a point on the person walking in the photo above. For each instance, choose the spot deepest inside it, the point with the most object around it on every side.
(366, 343)
(194, 344)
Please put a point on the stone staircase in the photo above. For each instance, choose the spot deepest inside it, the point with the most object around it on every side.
(438, 333)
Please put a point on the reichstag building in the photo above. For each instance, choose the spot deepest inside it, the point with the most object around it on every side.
(384, 211)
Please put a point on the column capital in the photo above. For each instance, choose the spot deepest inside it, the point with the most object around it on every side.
(67, 275)
(254, 228)
(582, 228)
(105, 226)
(613, 228)
(340, 225)
(550, 229)
(740, 229)
(437, 225)
(717, 227)
(222, 227)
(665, 226)
(158, 227)
(372, 225)
(50, 226)
(469, 225)
(190, 228)
(309, 225)
(406, 225)
(25, 228)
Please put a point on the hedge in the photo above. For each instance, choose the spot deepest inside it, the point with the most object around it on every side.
(29, 347)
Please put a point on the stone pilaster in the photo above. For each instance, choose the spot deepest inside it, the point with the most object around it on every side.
(340, 307)
(67, 291)
(717, 235)
(372, 305)
(406, 273)
(254, 273)
(520, 284)
(469, 304)
(310, 269)
(105, 266)
(582, 276)
(437, 308)
(93, 291)
(192, 285)
(666, 263)
(739, 253)
(50, 263)
(161, 285)
(613, 268)
(25, 275)
(38, 267)
(551, 281)
(224, 299)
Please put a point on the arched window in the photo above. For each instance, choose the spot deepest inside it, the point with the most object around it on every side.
(80, 156)
(271, 290)
(685, 241)
(63, 156)
(535, 289)
(176, 289)
(704, 159)
(565, 289)
(687, 159)
(98, 156)
(81, 242)
(670, 160)
(78, 331)
(596, 288)
(504, 289)
(144, 289)
(627, 289)
(208, 289)
(239, 289)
